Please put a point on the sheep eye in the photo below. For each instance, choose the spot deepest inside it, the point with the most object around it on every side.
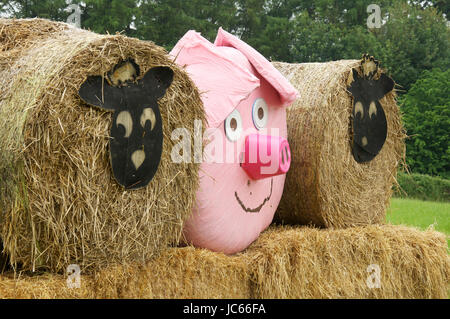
(148, 115)
(124, 119)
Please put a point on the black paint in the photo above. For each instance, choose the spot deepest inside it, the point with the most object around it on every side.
(367, 90)
(133, 98)
(257, 209)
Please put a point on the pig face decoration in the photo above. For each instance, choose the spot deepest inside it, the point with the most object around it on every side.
(369, 120)
(136, 141)
(245, 100)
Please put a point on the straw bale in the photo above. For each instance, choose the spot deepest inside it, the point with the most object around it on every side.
(286, 262)
(61, 204)
(179, 273)
(325, 186)
(312, 263)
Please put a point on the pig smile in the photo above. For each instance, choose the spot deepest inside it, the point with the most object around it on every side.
(257, 209)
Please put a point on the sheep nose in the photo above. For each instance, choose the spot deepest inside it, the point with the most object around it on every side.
(266, 156)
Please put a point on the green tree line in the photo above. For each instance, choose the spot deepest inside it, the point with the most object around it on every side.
(412, 44)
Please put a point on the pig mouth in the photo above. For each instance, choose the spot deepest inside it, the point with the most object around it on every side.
(257, 209)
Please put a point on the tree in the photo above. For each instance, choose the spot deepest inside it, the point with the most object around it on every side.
(413, 39)
(47, 9)
(166, 21)
(426, 109)
(108, 16)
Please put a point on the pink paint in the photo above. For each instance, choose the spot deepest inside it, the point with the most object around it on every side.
(266, 156)
(244, 98)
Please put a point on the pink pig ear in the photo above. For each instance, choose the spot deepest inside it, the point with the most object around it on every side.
(287, 92)
(222, 81)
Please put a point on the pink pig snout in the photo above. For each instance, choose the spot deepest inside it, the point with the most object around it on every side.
(266, 156)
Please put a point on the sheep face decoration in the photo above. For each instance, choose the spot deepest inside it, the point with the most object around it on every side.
(136, 134)
(245, 100)
(369, 120)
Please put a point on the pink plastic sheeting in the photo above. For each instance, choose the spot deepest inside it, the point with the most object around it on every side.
(232, 209)
(222, 75)
(288, 94)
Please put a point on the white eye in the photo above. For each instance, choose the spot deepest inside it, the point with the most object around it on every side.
(148, 115)
(260, 113)
(124, 119)
(233, 126)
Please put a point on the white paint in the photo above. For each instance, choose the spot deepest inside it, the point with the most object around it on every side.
(372, 109)
(124, 119)
(233, 133)
(260, 106)
(359, 109)
(148, 115)
(138, 158)
(365, 141)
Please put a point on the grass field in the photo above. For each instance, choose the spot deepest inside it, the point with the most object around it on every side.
(420, 214)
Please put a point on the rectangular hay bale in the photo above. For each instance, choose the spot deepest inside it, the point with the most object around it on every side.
(285, 262)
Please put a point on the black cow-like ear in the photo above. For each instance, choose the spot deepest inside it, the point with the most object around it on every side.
(355, 84)
(158, 80)
(97, 92)
(386, 83)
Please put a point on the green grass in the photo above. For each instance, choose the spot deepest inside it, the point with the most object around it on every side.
(420, 214)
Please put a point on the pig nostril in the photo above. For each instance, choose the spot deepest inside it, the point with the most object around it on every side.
(282, 157)
(287, 154)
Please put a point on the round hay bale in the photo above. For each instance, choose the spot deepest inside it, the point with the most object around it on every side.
(61, 203)
(326, 185)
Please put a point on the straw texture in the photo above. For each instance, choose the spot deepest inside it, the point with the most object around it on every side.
(285, 262)
(325, 186)
(60, 203)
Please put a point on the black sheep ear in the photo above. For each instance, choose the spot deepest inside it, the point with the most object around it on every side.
(97, 92)
(386, 84)
(157, 80)
(355, 84)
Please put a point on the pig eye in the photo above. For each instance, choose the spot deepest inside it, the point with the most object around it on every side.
(260, 113)
(233, 126)
(124, 119)
(148, 115)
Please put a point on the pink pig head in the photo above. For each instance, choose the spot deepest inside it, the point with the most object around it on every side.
(247, 154)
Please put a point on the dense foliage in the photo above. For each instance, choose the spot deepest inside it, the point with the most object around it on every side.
(412, 43)
(423, 187)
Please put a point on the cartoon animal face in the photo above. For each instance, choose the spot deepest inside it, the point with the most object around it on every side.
(369, 120)
(136, 133)
(243, 172)
(237, 205)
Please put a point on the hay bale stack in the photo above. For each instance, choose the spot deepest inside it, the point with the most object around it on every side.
(46, 286)
(60, 202)
(326, 186)
(312, 263)
(179, 273)
(285, 262)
